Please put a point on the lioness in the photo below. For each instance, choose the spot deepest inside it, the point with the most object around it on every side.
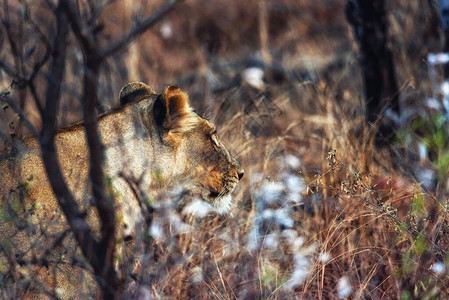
(152, 142)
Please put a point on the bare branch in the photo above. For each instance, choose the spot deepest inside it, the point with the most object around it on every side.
(103, 260)
(98, 10)
(36, 98)
(19, 113)
(81, 32)
(65, 198)
(99, 253)
(16, 45)
(138, 30)
(12, 39)
(19, 73)
(38, 65)
(8, 69)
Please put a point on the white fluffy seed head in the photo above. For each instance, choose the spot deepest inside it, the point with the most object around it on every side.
(344, 287)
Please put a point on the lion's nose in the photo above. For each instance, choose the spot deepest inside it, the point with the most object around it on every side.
(238, 168)
(240, 173)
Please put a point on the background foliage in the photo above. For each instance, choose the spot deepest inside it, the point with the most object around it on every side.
(321, 211)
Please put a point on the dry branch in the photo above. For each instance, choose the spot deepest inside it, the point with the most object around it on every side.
(99, 253)
(65, 199)
(102, 259)
(19, 113)
(93, 59)
(137, 30)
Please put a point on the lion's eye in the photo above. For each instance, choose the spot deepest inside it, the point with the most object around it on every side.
(214, 139)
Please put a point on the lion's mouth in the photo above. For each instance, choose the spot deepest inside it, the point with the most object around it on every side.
(225, 191)
(222, 201)
(213, 195)
(220, 198)
(222, 204)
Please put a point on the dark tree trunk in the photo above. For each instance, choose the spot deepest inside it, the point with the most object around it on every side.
(444, 15)
(369, 22)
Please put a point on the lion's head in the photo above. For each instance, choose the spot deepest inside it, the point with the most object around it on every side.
(189, 145)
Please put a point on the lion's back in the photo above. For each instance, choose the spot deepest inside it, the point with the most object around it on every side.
(32, 221)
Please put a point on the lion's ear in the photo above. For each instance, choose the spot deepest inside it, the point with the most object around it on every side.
(173, 112)
(135, 91)
(176, 103)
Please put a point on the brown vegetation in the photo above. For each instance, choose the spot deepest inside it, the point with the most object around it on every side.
(321, 212)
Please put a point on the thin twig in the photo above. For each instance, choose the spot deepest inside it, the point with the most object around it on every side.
(138, 30)
(81, 32)
(20, 114)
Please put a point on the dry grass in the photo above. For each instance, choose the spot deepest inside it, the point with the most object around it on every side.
(320, 213)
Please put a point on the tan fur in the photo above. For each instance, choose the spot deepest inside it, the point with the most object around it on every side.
(155, 141)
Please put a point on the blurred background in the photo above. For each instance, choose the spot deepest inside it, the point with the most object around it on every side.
(325, 210)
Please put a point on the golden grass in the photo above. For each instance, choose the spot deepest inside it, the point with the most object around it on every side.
(359, 222)
(359, 217)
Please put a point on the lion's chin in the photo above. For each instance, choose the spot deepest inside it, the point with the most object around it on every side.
(222, 204)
